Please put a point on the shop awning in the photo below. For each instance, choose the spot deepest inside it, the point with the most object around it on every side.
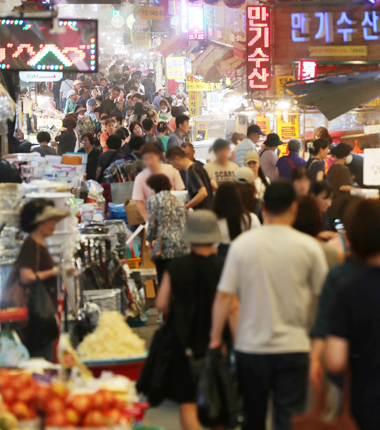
(335, 96)
(172, 44)
(228, 66)
(204, 63)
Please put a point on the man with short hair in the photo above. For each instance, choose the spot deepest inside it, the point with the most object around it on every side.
(248, 144)
(158, 98)
(104, 84)
(148, 126)
(147, 104)
(221, 169)
(152, 161)
(118, 119)
(272, 343)
(197, 181)
(286, 164)
(108, 104)
(137, 97)
(188, 149)
(84, 94)
(182, 124)
(120, 108)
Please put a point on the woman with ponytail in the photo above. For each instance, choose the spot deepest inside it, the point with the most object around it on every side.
(315, 165)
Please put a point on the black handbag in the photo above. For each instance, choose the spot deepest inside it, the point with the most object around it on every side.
(42, 328)
(157, 366)
(217, 399)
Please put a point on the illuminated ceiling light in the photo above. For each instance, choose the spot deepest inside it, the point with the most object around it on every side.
(284, 104)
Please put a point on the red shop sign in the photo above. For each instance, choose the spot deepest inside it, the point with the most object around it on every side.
(259, 47)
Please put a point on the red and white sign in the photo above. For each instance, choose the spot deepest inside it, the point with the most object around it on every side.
(259, 47)
(308, 69)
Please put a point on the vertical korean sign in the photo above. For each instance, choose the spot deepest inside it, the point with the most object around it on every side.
(259, 47)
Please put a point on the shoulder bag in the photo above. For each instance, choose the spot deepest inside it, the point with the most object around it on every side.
(157, 253)
(42, 328)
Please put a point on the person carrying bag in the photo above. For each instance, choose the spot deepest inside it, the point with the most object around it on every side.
(32, 282)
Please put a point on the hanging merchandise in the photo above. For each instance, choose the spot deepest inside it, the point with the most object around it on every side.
(7, 109)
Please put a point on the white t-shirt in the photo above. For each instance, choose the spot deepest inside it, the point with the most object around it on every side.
(66, 86)
(142, 192)
(260, 188)
(225, 234)
(276, 272)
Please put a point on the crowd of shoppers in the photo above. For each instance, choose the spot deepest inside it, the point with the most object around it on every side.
(279, 242)
(251, 247)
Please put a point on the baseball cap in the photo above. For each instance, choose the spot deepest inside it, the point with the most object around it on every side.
(254, 129)
(251, 156)
(119, 100)
(220, 144)
(91, 102)
(77, 82)
(71, 93)
(244, 175)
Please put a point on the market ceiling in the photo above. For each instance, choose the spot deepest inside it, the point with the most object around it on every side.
(334, 96)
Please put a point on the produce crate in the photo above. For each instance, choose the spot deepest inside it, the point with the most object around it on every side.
(134, 263)
(107, 300)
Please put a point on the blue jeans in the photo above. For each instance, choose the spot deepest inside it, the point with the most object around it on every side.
(45, 352)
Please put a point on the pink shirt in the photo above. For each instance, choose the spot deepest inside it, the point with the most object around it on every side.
(142, 192)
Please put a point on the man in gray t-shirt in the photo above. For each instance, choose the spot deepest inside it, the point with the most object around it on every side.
(222, 169)
(277, 274)
(268, 156)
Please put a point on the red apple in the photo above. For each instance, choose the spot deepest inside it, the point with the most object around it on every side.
(9, 395)
(56, 420)
(95, 419)
(55, 405)
(72, 417)
(81, 403)
(113, 415)
(60, 390)
(21, 410)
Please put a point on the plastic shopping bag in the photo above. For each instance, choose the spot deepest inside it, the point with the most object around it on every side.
(217, 399)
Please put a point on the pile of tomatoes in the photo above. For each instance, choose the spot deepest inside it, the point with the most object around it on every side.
(27, 399)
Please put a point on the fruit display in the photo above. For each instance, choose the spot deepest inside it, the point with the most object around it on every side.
(112, 339)
(24, 399)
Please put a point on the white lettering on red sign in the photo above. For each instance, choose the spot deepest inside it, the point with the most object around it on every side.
(308, 69)
(258, 47)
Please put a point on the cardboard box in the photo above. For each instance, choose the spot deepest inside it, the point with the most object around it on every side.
(71, 159)
(133, 214)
